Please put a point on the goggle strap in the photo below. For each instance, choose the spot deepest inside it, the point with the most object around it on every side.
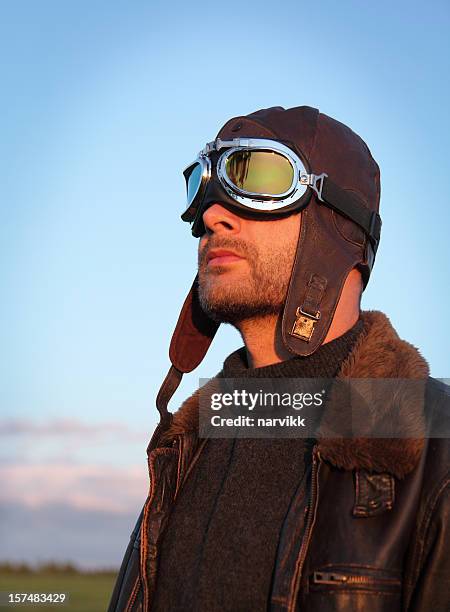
(351, 206)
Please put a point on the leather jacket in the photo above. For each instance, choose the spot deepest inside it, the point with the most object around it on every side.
(370, 531)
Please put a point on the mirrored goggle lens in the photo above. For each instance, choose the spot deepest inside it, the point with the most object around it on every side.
(261, 172)
(193, 182)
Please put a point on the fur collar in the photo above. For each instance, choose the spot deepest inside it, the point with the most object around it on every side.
(377, 353)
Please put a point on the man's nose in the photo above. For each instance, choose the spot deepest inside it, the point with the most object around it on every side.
(218, 220)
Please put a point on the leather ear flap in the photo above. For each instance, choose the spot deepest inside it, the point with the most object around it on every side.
(193, 333)
(318, 276)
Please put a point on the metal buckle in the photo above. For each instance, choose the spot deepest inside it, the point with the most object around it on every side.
(316, 316)
(303, 327)
(209, 146)
(315, 181)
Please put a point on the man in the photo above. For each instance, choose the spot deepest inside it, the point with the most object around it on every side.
(354, 516)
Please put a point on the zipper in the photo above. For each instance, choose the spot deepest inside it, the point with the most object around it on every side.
(311, 519)
(342, 578)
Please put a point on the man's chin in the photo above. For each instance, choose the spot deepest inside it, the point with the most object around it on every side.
(220, 307)
(220, 292)
(235, 309)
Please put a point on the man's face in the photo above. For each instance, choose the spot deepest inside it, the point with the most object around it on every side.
(245, 265)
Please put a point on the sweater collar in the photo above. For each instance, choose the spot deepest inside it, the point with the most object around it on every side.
(324, 363)
(377, 352)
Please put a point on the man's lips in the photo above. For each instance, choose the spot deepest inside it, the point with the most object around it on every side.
(219, 257)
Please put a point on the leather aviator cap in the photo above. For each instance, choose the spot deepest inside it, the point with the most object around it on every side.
(330, 244)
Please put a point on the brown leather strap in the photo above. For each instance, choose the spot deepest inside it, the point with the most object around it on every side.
(318, 275)
(167, 389)
(193, 333)
(314, 294)
(350, 205)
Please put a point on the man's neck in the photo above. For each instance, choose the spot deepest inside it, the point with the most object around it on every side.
(263, 340)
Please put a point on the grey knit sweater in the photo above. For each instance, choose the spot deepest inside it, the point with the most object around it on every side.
(221, 540)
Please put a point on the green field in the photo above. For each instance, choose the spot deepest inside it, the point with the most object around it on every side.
(86, 592)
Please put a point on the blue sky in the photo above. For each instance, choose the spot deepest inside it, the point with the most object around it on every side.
(102, 105)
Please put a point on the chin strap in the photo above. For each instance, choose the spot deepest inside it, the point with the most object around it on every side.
(191, 339)
(309, 312)
(167, 389)
(318, 275)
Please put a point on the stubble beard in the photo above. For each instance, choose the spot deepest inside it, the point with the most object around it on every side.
(257, 293)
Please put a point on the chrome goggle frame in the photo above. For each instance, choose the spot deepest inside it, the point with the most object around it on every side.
(341, 200)
(256, 201)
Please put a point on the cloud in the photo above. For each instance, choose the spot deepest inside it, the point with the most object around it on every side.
(68, 427)
(61, 496)
(83, 487)
(65, 440)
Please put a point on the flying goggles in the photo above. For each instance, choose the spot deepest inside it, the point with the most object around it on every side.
(262, 177)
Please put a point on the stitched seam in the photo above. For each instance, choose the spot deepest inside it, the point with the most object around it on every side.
(314, 142)
(194, 459)
(358, 509)
(255, 122)
(144, 541)
(281, 600)
(133, 595)
(296, 577)
(180, 450)
(392, 489)
(346, 591)
(341, 233)
(297, 256)
(372, 567)
(425, 524)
